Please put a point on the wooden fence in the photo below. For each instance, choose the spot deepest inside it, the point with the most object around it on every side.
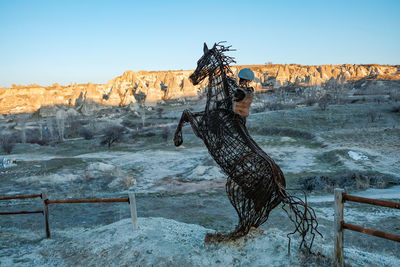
(340, 198)
(45, 211)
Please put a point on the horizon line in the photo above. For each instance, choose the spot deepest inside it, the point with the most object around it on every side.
(176, 70)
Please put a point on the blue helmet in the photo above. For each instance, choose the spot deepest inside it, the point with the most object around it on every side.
(246, 74)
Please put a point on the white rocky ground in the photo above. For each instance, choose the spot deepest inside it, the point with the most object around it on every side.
(164, 242)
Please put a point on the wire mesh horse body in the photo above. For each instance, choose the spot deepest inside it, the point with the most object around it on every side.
(255, 183)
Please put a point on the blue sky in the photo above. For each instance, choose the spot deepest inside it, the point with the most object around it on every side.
(93, 41)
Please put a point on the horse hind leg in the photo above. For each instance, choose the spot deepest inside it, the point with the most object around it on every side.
(245, 209)
(187, 116)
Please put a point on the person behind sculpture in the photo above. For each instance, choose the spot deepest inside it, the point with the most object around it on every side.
(244, 95)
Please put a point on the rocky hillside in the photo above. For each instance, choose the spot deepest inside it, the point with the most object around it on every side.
(154, 86)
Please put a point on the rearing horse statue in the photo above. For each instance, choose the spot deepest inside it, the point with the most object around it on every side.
(255, 183)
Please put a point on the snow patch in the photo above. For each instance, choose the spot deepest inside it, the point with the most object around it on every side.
(99, 169)
(206, 173)
(287, 139)
(99, 166)
(7, 163)
(357, 155)
(293, 160)
(55, 178)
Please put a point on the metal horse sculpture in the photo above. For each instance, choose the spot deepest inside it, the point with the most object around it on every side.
(255, 183)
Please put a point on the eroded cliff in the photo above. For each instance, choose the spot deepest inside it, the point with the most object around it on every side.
(154, 86)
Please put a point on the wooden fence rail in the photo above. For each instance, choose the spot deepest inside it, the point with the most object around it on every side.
(20, 212)
(376, 202)
(87, 200)
(130, 199)
(20, 197)
(340, 198)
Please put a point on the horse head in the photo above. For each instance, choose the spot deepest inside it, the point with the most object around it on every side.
(214, 64)
(206, 65)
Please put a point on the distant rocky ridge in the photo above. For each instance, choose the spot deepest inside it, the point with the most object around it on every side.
(154, 86)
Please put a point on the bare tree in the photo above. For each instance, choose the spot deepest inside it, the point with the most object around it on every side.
(143, 115)
(112, 135)
(23, 131)
(335, 89)
(312, 94)
(60, 118)
(50, 127)
(324, 101)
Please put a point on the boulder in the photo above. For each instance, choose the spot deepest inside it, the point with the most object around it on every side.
(134, 106)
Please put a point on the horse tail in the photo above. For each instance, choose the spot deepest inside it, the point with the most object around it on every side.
(302, 216)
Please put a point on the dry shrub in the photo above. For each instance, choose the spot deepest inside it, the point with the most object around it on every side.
(373, 115)
(395, 109)
(165, 133)
(395, 96)
(7, 143)
(86, 133)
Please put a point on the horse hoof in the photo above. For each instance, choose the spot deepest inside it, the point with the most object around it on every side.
(217, 237)
(178, 141)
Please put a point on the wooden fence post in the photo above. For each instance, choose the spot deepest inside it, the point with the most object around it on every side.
(132, 204)
(46, 213)
(338, 256)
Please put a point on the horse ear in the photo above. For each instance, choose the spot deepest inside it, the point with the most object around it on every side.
(215, 45)
(205, 48)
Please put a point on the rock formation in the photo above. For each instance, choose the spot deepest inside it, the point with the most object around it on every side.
(164, 85)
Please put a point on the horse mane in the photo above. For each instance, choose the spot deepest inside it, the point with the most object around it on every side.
(221, 83)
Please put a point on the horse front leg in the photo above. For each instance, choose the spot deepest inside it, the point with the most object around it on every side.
(187, 116)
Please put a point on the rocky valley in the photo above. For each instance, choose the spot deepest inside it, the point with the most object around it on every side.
(155, 86)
